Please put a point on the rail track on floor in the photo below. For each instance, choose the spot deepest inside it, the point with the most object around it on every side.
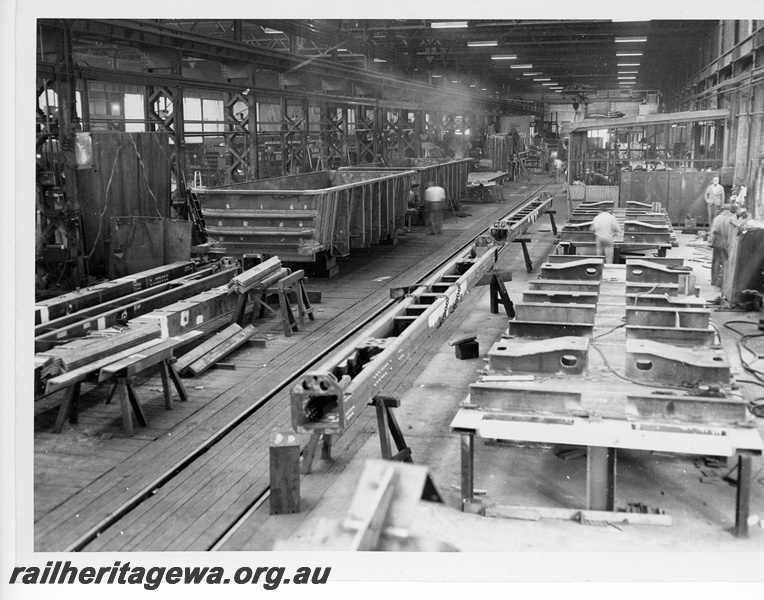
(105, 533)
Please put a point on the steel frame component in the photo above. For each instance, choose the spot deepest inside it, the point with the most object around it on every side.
(694, 318)
(556, 313)
(655, 362)
(679, 336)
(562, 297)
(567, 354)
(513, 227)
(583, 269)
(564, 285)
(54, 308)
(327, 399)
(132, 310)
(645, 271)
(545, 330)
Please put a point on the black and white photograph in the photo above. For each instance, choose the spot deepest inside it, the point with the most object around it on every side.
(388, 300)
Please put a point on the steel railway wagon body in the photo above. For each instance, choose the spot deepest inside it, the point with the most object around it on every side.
(299, 216)
(450, 174)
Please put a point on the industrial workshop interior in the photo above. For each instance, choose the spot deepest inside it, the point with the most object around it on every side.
(398, 285)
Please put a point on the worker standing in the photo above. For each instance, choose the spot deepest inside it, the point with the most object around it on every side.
(723, 230)
(714, 199)
(605, 227)
(434, 205)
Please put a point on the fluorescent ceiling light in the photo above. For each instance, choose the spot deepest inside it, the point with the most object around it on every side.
(483, 89)
(627, 72)
(548, 84)
(472, 85)
(454, 81)
(342, 49)
(628, 54)
(503, 57)
(271, 31)
(542, 79)
(626, 77)
(625, 40)
(520, 66)
(628, 64)
(532, 74)
(379, 60)
(558, 91)
(448, 24)
(482, 44)
(436, 75)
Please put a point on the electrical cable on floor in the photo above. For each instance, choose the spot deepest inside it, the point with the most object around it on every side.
(596, 337)
(686, 388)
(755, 406)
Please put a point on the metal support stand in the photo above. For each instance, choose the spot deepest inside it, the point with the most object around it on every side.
(526, 255)
(551, 214)
(388, 425)
(498, 295)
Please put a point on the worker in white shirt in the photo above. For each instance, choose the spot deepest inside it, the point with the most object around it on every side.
(434, 205)
(606, 228)
(714, 199)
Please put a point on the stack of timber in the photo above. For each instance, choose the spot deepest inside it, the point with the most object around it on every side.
(300, 217)
(168, 321)
(91, 348)
(214, 349)
(258, 276)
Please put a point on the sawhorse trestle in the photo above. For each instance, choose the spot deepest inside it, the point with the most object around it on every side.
(291, 283)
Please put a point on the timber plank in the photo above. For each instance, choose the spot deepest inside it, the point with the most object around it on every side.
(221, 350)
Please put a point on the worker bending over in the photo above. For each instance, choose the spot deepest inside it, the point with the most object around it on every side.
(606, 228)
(723, 231)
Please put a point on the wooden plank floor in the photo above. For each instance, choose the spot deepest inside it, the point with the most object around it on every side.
(67, 506)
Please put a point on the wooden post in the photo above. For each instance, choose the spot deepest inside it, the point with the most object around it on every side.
(285, 473)
(166, 391)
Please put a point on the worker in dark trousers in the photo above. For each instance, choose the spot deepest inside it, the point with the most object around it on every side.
(714, 197)
(434, 205)
(723, 230)
(605, 227)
